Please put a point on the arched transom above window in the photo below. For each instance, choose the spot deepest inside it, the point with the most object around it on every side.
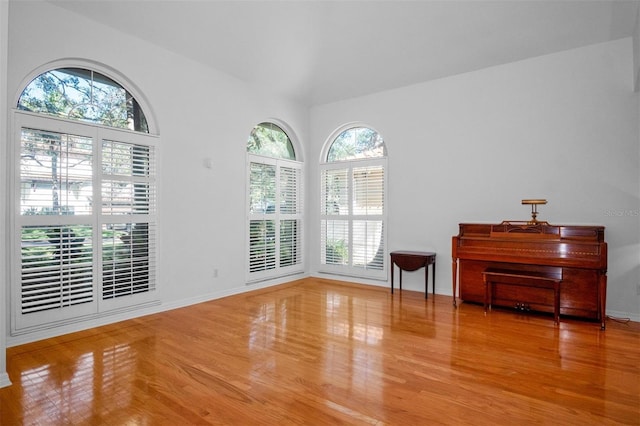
(356, 143)
(84, 95)
(269, 140)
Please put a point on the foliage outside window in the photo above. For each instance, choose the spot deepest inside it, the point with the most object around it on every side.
(271, 141)
(274, 204)
(84, 95)
(355, 144)
(353, 194)
(86, 192)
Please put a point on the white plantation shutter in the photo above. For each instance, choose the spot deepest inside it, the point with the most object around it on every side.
(85, 232)
(262, 245)
(262, 188)
(352, 203)
(290, 213)
(368, 190)
(335, 192)
(56, 249)
(275, 217)
(56, 173)
(368, 210)
(62, 279)
(128, 209)
(262, 209)
(290, 181)
(128, 267)
(128, 180)
(368, 244)
(54, 246)
(334, 239)
(290, 244)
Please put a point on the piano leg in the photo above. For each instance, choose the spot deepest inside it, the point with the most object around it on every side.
(556, 302)
(602, 296)
(454, 274)
(488, 293)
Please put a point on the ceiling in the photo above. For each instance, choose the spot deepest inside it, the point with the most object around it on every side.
(316, 52)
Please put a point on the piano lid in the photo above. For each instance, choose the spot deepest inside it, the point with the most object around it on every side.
(519, 230)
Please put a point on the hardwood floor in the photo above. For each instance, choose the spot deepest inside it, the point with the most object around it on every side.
(326, 352)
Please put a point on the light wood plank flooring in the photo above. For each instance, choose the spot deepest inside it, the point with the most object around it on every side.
(326, 352)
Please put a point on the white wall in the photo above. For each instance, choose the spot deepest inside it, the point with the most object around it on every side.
(4, 33)
(636, 51)
(468, 148)
(201, 113)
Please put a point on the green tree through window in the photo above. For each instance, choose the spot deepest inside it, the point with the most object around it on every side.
(84, 95)
(356, 143)
(271, 141)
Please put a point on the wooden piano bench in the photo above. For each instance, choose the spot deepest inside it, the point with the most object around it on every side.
(548, 279)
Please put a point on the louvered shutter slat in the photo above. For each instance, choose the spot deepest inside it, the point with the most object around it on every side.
(57, 268)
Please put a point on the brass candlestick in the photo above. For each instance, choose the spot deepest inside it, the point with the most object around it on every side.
(534, 208)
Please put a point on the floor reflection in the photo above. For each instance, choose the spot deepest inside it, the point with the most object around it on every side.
(354, 318)
(319, 353)
(81, 388)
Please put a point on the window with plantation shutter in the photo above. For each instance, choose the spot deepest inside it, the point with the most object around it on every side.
(262, 225)
(55, 225)
(274, 205)
(85, 228)
(353, 198)
(128, 202)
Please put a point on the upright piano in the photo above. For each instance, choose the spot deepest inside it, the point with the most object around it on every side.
(578, 252)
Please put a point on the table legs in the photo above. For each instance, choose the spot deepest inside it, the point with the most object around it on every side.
(392, 274)
(426, 278)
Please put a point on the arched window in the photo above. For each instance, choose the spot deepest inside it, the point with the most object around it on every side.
(269, 140)
(356, 143)
(86, 197)
(84, 95)
(353, 199)
(274, 202)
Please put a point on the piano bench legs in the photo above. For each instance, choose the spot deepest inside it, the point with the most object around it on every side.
(547, 280)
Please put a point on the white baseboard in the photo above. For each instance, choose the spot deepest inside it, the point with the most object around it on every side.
(4, 380)
(623, 316)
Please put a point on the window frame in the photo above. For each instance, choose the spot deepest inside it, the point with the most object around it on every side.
(277, 215)
(129, 86)
(23, 323)
(349, 269)
(95, 82)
